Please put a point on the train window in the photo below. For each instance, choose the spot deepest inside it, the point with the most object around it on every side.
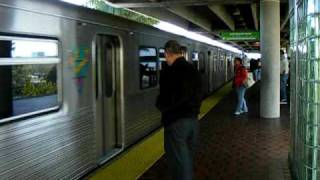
(32, 49)
(195, 59)
(161, 54)
(195, 56)
(162, 59)
(28, 77)
(148, 67)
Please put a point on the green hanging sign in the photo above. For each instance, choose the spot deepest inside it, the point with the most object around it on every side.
(240, 36)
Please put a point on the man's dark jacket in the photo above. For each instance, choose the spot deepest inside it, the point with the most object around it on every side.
(180, 92)
(253, 65)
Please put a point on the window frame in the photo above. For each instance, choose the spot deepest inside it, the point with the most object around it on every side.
(157, 67)
(57, 60)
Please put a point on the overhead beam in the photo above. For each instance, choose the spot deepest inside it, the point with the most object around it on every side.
(193, 17)
(255, 15)
(222, 13)
(172, 3)
(182, 12)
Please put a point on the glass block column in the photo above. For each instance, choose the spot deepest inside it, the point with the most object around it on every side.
(305, 88)
(293, 152)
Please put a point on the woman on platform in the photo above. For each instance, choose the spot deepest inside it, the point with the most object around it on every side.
(241, 75)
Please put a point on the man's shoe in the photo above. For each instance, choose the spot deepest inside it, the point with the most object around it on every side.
(283, 101)
(237, 113)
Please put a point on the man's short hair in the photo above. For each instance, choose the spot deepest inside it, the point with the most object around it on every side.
(173, 47)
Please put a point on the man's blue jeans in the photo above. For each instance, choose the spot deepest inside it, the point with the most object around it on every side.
(258, 74)
(255, 74)
(180, 140)
(242, 104)
(283, 87)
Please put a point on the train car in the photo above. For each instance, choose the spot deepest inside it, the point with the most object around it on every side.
(78, 86)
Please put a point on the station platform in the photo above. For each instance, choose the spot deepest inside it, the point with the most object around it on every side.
(231, 147)
(241, 147)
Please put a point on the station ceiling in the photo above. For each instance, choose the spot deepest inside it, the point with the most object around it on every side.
(211, 17)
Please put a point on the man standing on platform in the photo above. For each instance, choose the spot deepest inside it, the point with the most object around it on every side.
(254, 68)
(284, 74)
(179, 102)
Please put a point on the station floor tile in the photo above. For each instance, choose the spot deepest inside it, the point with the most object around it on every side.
(244, 147)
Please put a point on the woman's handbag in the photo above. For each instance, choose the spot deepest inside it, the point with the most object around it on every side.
(249, 81)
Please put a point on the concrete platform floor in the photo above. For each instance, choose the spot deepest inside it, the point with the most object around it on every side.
(245, 147)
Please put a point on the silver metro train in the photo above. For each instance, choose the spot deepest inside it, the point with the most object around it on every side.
(78, 86)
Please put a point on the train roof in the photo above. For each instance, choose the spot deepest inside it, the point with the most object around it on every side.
(83, 14)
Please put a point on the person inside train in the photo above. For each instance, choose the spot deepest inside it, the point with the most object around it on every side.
(254, 68)
(259, 70)
(241, 75)
(179, 103)
(284, 73)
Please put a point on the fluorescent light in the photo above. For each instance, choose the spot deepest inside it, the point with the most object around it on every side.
(76, 2)
(165, 26)
(253, 55)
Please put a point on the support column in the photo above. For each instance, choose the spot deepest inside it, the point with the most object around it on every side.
(270, 58)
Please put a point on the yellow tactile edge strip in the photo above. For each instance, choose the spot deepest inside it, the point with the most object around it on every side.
(138, 159)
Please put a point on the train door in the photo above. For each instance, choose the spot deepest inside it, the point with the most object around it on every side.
(230, 67)
(210, 67)
(202, 63)
(223, 69)
(184, 52)
(226, 66)
(220, 74)
(215, 69)
(108, 126)
(202, 70)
